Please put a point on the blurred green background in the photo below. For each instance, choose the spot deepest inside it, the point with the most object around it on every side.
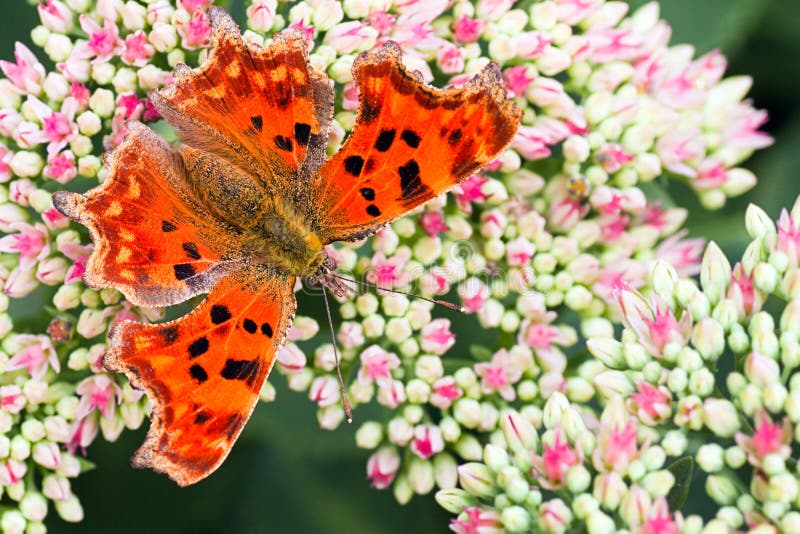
(287, 475)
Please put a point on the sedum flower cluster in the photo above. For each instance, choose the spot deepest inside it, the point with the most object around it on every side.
(702, 374)
(551, 245)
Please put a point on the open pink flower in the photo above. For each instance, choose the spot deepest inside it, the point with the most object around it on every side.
(30, 242)
(499, 375)
(36, 355)
(653, 322)
(540, 335)
(659, 519)
(651, 404)
(473, 294)
(519, 252)
(467, 30)
(61, 167)
(469, 191)
(12, 399)
(767, 438)
(550, 469)
(196, 33)
(432, 222)
(58, 127)
(377, 365)
(104, 41)
(389, 272)
(26, 73)
(445, 391)
(436, 337)
(347, 37)
(193, 5)
(137, 49)
(98, 392)
(684, 254)
(478, 521)
(616, 446)
(517, 79)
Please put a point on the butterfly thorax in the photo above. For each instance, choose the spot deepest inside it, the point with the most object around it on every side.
(273, 232)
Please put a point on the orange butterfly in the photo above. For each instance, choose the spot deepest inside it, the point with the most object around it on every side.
(246, 204)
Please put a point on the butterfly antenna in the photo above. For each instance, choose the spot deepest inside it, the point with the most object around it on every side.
(448, 305)
(345, 402)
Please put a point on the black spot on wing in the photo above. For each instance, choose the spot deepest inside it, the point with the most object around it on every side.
(368, 193)
(454, 137)
(353, 165)
(219, 314)
(241, 370)
(284, 143)
(169, 334)
(191, 250)
(369, 112)
(266, 329)
(373, 210)
(201, 418)
(302, 132)
(411, 138)
(411, 185)
(250, 326)
(198, 373)
(167, 226)
(198, 347)
(385, 140)
(257, 122)
(183, 271)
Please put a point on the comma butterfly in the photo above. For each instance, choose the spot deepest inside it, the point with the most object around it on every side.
(245, 205)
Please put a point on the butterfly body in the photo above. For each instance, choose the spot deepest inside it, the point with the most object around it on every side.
(271, 230)
(246, 204)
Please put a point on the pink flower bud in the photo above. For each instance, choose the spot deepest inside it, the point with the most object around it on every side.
(324, 391)
(427, 441)
(291, 359)
(261, 14)
(56, 488)
(382, 467)
(47, 455)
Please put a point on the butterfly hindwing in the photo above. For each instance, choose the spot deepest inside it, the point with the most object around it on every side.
(152, 240)
(262, 108)
(204, 372)
(411, 142)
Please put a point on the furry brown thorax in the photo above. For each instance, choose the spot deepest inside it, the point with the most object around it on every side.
(273, 231)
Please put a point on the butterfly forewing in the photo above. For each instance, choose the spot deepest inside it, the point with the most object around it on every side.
(153, 241)
(410, 144)
(262, 108)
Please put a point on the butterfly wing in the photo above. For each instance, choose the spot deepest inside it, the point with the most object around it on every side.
(153, 241)
(204, 371)
(262, 108)
(411, 143)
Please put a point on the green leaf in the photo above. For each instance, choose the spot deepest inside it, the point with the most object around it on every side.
(479, 352)
(682, 470)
